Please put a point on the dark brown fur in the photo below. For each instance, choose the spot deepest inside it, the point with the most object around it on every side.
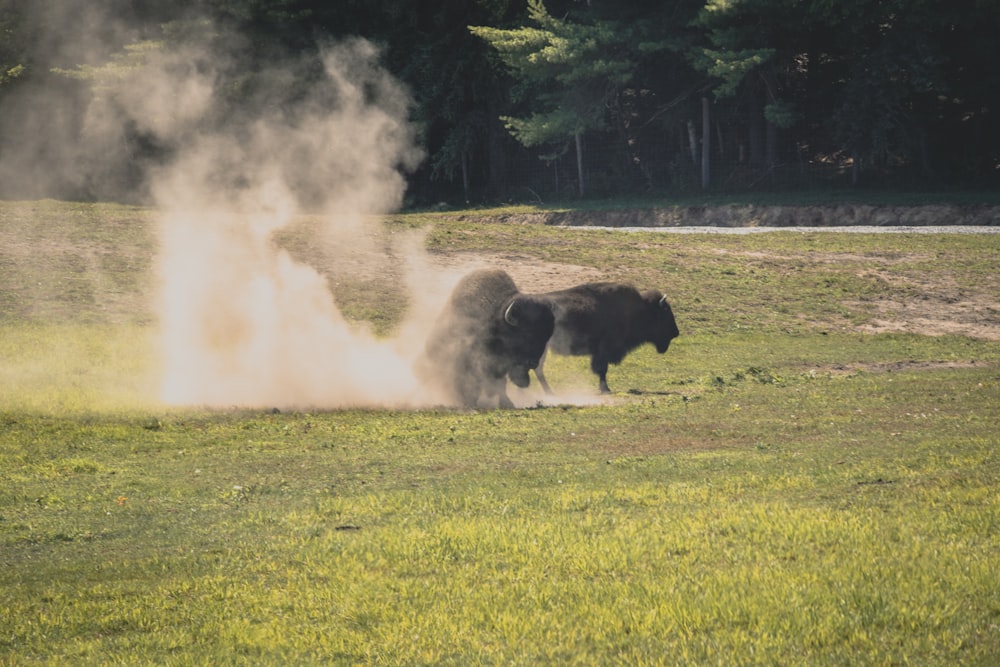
(607, 321)
(487, 332)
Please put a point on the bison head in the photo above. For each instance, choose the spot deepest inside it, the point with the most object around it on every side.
(663, 325)
(529, 326)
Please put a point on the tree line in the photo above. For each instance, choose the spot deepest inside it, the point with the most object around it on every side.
(545, 99)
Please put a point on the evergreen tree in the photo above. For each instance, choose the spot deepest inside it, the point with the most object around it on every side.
(567, 76)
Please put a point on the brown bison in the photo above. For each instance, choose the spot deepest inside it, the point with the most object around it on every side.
(487, 332)
(607, 321)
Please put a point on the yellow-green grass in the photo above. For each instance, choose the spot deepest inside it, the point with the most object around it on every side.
(72, 368)
(779, 488)
(818, 521)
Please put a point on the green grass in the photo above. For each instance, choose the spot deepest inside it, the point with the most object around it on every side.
(781, 487)
(71, 367)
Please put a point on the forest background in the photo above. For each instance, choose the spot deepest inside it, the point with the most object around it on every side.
(517, 100)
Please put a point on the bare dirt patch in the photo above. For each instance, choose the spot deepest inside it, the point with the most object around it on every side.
(938, 325)
(891, 367)
(530, 274)
(382, 257)
(935, 307)
(911, 302)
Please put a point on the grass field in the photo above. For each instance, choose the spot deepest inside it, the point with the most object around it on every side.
(809, 476)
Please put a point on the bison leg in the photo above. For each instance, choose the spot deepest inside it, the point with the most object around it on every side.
(469, 387)
(600, 368)
(541, 375)
(496, 389)
(505, 401)
(519, 376)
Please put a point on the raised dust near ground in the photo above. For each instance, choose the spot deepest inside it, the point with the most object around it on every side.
(243, 323)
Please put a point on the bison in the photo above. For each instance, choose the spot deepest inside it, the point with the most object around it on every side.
(607, 321)
(487, 332)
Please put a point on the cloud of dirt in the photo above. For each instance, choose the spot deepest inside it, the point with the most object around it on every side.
(39, 123)
(232, 155)
(233, 161)
(244, 323)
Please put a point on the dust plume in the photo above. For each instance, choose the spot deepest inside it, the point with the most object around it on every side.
(234, 162)
(233, 158)
(243, 322)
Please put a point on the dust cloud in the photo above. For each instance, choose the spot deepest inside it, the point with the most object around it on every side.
(243, 322)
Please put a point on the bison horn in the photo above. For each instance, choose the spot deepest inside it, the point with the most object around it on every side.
(509, 316)
(663, 302)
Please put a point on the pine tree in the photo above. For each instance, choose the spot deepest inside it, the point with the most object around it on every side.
(566, 73)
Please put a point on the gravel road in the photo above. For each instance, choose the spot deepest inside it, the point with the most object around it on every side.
(929, 229)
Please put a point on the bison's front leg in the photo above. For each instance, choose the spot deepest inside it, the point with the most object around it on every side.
(599, 365)
(505, 402)
(496, 389)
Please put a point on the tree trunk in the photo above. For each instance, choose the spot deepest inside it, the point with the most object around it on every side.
(496, 153)
(629, 161)
(579, 161)
(693, 142)
(706, 142)
(927, 170)
(465, 176)
(771, 136)
(756, 131)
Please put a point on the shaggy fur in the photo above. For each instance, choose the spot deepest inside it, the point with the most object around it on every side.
(607, 321)
(487, 332)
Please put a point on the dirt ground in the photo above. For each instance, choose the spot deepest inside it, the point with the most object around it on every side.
(530, 274)
(941, 307)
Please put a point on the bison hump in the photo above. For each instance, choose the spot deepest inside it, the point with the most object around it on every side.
(482, 292)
